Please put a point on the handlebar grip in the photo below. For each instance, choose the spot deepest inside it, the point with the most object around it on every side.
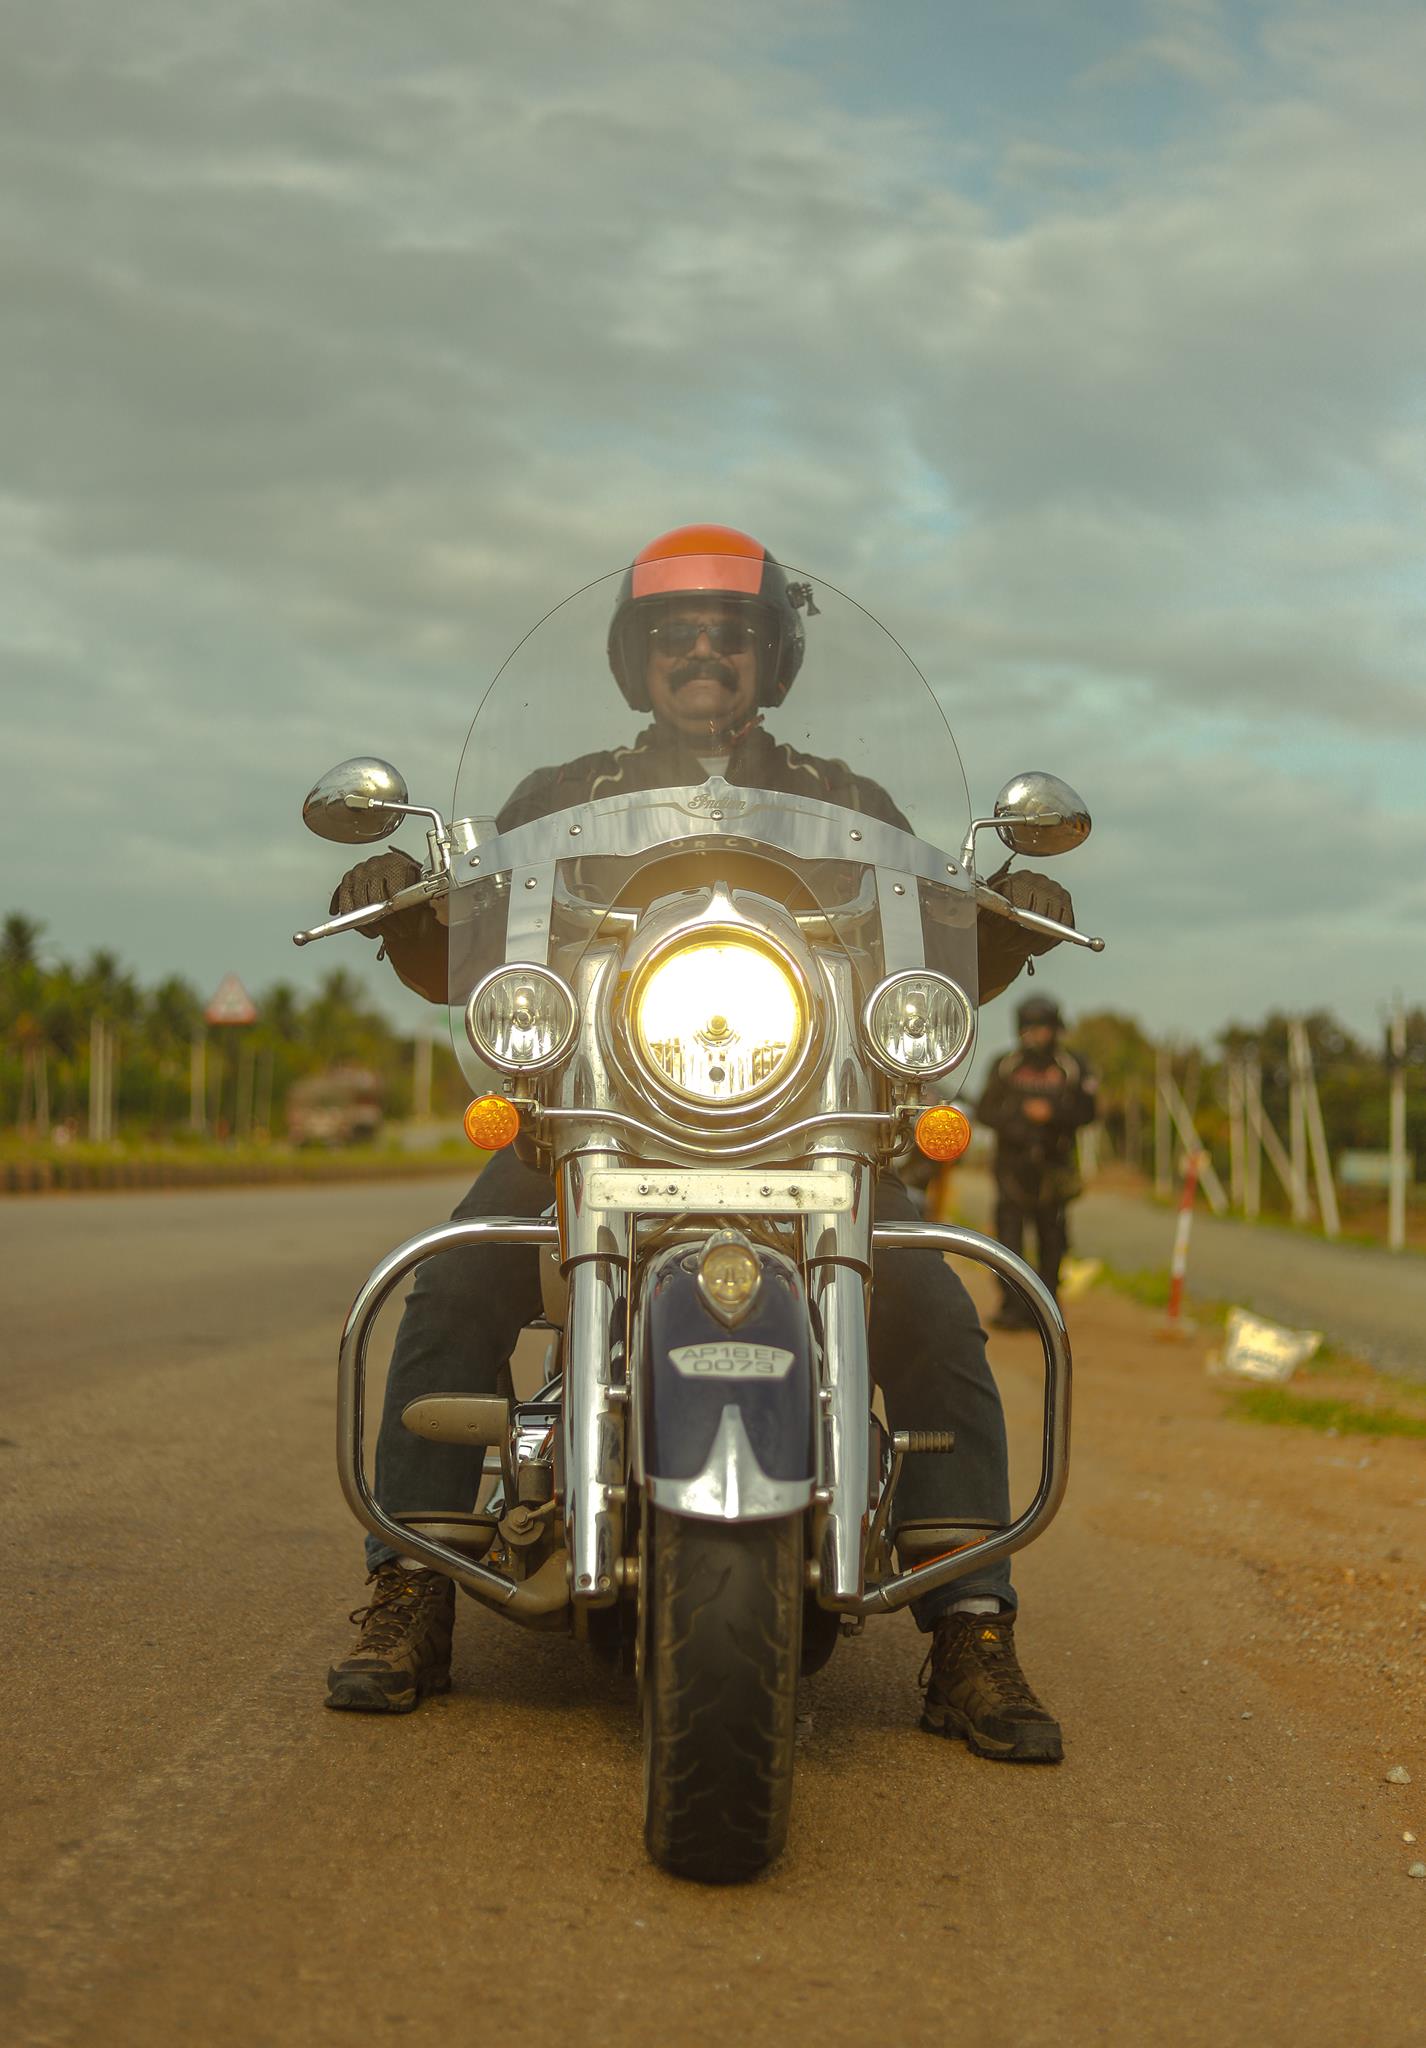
(424, 891)
(1032, 920)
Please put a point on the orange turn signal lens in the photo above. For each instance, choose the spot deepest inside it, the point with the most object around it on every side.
(942, 1133)
(492, 1123)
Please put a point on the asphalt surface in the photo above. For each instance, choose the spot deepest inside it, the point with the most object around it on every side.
(195, 1851)
(1367, 1301)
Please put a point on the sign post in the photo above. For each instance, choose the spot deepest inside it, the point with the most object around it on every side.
(232, 1005)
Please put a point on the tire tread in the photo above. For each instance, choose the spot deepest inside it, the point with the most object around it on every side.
(724, 1649)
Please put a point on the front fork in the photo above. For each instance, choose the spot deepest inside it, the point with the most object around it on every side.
(596, 1408)
(595, 1248)
(838, 1295)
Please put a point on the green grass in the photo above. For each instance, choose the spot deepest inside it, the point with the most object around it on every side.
(1149, 1286)
(1340, 1418)
(83, 1167)
(184, 1150)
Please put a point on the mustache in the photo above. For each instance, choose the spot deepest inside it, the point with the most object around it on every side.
(701, 666)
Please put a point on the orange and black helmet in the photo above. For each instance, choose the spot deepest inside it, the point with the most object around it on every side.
(707, 561)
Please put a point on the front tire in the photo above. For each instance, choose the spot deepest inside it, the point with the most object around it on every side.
(723, 1615)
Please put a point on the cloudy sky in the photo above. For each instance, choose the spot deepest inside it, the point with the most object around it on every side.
(1083, 344)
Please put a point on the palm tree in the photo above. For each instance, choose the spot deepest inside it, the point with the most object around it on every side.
(22, 1005)
(19, 943)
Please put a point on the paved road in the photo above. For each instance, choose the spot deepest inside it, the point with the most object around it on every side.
(1370, 1302)
(195, 1852)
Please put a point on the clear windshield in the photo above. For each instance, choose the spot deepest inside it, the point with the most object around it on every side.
(857, 698)
(639, 743)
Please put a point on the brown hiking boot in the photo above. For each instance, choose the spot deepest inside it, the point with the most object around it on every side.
(977, 1690)
(404, 1649)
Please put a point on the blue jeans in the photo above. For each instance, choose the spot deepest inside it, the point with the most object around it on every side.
(467, 1307)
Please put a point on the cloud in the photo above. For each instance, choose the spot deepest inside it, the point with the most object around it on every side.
(1187, 39)
(340, 344)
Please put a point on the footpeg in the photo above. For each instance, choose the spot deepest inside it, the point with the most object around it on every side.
(907, 1442)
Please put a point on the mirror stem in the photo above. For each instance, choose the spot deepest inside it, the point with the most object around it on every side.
(1005, 818)
(437, 839)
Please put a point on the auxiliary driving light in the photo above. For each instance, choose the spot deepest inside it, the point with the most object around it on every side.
(729, 1277)
(943, 1133)
(521, 1019)
(491, 1123)
(918, 1026)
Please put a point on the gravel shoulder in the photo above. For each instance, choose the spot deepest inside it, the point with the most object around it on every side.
(1228, 1619)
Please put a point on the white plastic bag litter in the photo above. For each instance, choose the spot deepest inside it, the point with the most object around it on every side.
(1257, 1350)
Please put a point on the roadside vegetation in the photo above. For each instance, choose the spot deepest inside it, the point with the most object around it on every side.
(1352, 1082)
(174, 1085)
(1333, 1417)
(169, 1081)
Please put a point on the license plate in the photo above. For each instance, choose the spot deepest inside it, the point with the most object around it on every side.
(724, 1358)
(665, 1191)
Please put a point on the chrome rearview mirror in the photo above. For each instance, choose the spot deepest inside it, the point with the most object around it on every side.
(357, 801)
(1036, 813)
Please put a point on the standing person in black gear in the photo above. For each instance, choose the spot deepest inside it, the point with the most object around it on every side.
(1038, 1097)
(707, 634)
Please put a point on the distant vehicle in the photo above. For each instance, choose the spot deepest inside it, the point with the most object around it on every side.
(342, 1106)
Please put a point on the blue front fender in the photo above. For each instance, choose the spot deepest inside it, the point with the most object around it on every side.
(728, 1416)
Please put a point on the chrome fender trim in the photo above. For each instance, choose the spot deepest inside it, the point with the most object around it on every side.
(732, 1487)
(372, 1295)
(1054, 1464)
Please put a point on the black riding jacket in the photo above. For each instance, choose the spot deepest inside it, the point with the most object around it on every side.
(1063, 1082)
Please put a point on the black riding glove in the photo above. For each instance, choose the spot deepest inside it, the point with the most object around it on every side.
(1037, 893)
(1003, 947)
(374, 881)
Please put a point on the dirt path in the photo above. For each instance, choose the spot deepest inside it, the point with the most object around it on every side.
(1229, 1620)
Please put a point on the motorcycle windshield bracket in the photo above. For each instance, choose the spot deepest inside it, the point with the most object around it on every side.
(527, 930)
(902, 940)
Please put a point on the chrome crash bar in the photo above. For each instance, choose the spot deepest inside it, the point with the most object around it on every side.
(374, 1292)
(884, 1597)
(1054, 1464)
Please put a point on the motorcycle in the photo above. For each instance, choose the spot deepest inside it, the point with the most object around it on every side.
(714, 1013)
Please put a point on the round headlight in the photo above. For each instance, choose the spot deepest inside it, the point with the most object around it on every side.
(520, 1019)
(918, 1025)
(718, 1021)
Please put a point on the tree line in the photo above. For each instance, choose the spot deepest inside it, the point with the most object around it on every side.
(48, 1010)
(48, 1007)
(1352, 1078)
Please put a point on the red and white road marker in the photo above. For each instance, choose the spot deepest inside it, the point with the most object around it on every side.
(1174, 1324)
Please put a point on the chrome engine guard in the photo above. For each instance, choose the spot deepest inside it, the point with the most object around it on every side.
(1054, 1463)
(372, 1295)
(514, 1596)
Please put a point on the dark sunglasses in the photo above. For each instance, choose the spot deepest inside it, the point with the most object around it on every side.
(678, 637)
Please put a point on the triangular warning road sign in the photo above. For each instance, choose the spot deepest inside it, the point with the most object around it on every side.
(231, 1003)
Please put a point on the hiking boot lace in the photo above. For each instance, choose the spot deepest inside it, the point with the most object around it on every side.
(994, 1647)
(387, 1618)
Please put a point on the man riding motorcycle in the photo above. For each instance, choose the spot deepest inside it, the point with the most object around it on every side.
(708, 634)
